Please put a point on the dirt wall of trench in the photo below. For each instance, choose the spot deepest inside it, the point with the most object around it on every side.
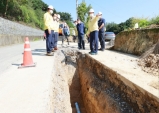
(105, 91)
(136, 41)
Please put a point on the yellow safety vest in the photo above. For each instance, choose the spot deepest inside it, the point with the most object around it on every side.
(48, 22)
(92, 25)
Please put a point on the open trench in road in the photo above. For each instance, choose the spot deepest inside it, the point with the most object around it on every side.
(96, 88)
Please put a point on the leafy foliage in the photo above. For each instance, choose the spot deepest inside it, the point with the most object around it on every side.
(28, 11)
(154, 20)
(67, 18)
(129, 24)
(82, 11)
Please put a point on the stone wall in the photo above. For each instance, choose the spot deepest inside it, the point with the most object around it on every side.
(13, 28)
(105, 91)
(13, 33)
(136, 41)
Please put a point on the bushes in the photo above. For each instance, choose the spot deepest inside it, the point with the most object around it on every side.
(129, 24)
(155, 20)
(28, 11)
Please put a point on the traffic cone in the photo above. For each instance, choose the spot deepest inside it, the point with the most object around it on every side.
(27, 56)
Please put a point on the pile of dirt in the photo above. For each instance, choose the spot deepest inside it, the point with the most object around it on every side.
(150, 64)
(149, 61)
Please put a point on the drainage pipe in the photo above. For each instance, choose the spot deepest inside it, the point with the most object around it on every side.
(77, 108)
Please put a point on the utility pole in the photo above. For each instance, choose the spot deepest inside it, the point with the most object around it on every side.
(76, 8)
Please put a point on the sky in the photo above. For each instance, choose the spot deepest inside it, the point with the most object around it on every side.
(113, 10)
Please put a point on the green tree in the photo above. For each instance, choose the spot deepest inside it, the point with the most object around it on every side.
(112, 27)
(82, 11)
(29, 11)
(154, 20)
(65, 16)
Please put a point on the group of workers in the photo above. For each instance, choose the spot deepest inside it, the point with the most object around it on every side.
(96, 31)
(51, 27)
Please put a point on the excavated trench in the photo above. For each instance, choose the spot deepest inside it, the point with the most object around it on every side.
(95, 87)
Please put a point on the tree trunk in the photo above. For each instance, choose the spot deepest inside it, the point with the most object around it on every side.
(6, 7)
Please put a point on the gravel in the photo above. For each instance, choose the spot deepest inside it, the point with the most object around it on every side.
(12, 28)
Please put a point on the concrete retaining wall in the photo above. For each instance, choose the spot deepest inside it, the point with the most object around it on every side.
(15, 39)
(105, 91)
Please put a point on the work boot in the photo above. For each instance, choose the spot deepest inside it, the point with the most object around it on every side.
(49, 54)
(55, 48)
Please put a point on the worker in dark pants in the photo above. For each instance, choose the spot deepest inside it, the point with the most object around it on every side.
(65, 33)
(56, 20)
(49, 30)
(101, 25)
(81, 31)
(55, 31)
(92, 32)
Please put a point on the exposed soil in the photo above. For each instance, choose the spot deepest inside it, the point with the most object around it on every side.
(67, 89)
(67, 86)
(149, 63)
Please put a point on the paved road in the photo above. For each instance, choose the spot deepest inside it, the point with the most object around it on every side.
(29, 90)
(25, 90)
(10, 55)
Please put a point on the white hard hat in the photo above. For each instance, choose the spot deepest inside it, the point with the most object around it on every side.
(58, 16)
(50, 7)
(91, 11)
(100, 13)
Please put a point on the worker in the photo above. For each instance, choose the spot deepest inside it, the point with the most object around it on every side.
(81, 33)
(101, 25)
(65, 33)
(54, 29)
(92, 32)
(56, 19)
(76, 32)
(49, 29)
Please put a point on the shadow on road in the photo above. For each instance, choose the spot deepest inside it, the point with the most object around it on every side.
(39, 52)
(16, 64)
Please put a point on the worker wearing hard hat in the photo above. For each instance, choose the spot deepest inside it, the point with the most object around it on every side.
(81, 32)
(92, 32)
(101, 25)
(49, 29)
(56, 30)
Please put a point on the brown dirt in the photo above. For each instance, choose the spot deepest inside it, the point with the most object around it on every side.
(149, 62)
(67, 89)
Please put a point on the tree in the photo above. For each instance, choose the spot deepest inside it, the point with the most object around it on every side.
(82, 11)
(30, 12)
(113, 27)
(65, 16)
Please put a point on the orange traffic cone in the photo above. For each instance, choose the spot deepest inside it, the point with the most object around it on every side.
(27, 56)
